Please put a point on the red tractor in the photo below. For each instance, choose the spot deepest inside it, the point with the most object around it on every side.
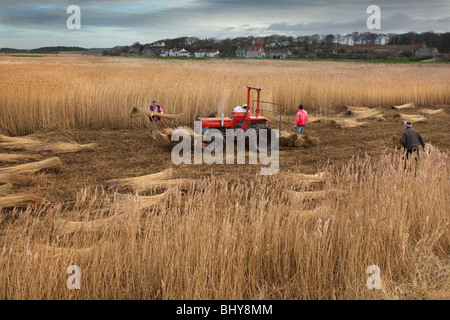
(243, 118)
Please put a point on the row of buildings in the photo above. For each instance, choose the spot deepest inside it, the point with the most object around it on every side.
(415, 50)
(162, 52)
(255, 50)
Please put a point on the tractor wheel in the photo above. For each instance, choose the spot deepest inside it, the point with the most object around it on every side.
(262, 145)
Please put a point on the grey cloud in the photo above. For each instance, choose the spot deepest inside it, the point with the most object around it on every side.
(227, 17)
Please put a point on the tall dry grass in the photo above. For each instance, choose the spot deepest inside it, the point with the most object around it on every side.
(244, 241)
(78, 92)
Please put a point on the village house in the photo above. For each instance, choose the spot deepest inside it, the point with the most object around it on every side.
(179, 53)
(256, 52)
(420, 50)
(434, 52)
(417, 50)
(280, 54)
(147, 50)
(158, 44)
(257, 43)
(205, 53)
(241, 53)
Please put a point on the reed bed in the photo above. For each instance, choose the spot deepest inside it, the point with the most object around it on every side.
(65, 93)
(53, 163)
(248, 240)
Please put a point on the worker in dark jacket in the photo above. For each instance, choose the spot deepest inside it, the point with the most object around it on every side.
(411, 139)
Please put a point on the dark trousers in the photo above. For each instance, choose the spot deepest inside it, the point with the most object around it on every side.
(409, 152)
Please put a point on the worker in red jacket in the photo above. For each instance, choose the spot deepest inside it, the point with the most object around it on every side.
(301, 120)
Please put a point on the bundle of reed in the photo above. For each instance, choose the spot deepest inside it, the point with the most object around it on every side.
(404, 106)
(66, 147)
(359, 113)
(68, 226)
(410, 117)
(17, 143)
(301, 180)
(310, 178)
(131, 182)
(6, 189)
(306, 141)
(288, 139)
(135, 112)
(379, 117)
(293, 140)
(314, 195)
(150, 201)
(52, 163)
(306, 195)
(349, 123)
(19, 200)
(15, 178)
(40, 146)
(320, 119)
(15, 158)
(431, 112)
(147, 184)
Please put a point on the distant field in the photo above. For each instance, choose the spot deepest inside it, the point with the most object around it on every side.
(26, 55)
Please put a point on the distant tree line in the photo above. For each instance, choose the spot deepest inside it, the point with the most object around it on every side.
(45, 50)
(227, 46)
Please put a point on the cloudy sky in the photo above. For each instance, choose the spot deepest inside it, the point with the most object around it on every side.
(27, 24)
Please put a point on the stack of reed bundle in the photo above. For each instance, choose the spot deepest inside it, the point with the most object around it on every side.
(431, 112)
(16, 158)
(33, 167)
(404, 106)
(19, 200)
(410, 117)
(135, 112)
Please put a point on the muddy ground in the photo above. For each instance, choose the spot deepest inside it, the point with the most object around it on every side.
(128, 153)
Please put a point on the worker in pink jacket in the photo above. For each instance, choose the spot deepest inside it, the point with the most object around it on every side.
(301, 120)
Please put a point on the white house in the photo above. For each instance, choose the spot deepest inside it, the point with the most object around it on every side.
(179, 53)
(202, 53)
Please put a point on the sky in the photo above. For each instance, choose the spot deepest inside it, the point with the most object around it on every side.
(27, 24)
